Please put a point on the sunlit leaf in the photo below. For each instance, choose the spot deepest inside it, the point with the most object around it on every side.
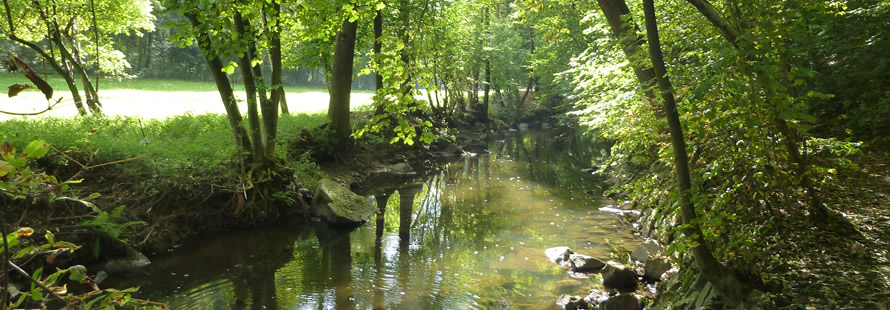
(25, 232)
(36, 149)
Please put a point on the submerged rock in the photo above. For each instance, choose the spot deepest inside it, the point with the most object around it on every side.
(584, 263)
(134, 259)
(568, 285)
(340, 206)
(570, 302)
(558, 254)
(620, 278)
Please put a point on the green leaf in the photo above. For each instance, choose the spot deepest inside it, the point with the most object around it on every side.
(36, 149)
(5, 168)
(427, 137)
(50, 237)
(36, 295)
(77, 273)
(230, 67)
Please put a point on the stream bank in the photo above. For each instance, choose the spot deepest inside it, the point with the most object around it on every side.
(467, 234)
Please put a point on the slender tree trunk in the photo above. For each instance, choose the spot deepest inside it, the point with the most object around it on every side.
(91, 93)
(378, 46)
(270, 109)
(55, 36)
(531, 78)
(223, 86)
(710, 268)
(146, 65)
(625, 30)
(487, 88)
(65, 74)
(253, 116)
(341, 78)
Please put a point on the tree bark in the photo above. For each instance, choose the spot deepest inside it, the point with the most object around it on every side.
(711, 269)
(270, 110)
(378, 46)
(626, 32)
(65, 74)
(341, 78)
(77, 61)
(250, 90)
(223, 86)
(531, 78)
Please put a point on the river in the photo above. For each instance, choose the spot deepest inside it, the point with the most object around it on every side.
(469, 234)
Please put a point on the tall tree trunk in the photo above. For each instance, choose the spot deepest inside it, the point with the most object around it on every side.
(253, 117)
(146, 65)
(378, 46)
(90, 92)
(531, 78)
(223, 86)
(625, 30)
(270, 109)
(710, 268)
(341, 78)
(56, 36)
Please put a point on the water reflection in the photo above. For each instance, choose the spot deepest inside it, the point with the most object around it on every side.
(467, 235)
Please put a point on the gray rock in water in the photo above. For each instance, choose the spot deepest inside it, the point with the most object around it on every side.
(570, 302)
(340, 206)
(622, 302)
(584, 263)
(596, 297)
(134, 259)
(558, 254)
(620, 278)
(655, 267)
(645, 250)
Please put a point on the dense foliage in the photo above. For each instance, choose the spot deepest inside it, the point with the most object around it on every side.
(773, 101)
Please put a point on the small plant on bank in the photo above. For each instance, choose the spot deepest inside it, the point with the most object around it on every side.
(21, 185)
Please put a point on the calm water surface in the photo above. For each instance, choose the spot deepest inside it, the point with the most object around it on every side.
(467, 235)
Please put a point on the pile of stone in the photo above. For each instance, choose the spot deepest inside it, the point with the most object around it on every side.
(620, 283)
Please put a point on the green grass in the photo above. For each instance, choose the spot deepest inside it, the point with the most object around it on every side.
(188, 153)
(160, 85)
(157, 99)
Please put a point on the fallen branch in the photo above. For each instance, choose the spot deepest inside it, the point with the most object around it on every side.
(49, 107)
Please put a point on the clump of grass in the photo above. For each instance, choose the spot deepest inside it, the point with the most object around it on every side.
(190, 173)
(190, 153)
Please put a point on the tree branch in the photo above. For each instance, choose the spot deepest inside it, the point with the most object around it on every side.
(717, 19)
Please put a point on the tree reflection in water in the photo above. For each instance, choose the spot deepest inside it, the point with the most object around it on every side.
(467, 234)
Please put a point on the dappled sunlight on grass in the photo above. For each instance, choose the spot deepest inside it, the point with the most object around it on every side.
(158, 99)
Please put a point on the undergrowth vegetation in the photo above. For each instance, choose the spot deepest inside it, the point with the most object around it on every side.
(148, 164)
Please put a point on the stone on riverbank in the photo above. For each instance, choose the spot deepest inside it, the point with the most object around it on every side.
(558, 254)
(621, 302)
(570, 302)
(646, 250)
(584, 263)
(655, 267)
(620, 278)
(340, 206)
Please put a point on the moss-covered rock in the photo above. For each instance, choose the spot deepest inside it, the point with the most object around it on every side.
(340, 206)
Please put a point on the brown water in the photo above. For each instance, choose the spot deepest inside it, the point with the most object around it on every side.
(467, 235)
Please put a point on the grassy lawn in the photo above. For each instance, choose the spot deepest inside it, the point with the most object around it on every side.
(156, 99)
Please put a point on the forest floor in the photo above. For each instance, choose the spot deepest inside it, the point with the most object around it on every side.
(845, 264)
